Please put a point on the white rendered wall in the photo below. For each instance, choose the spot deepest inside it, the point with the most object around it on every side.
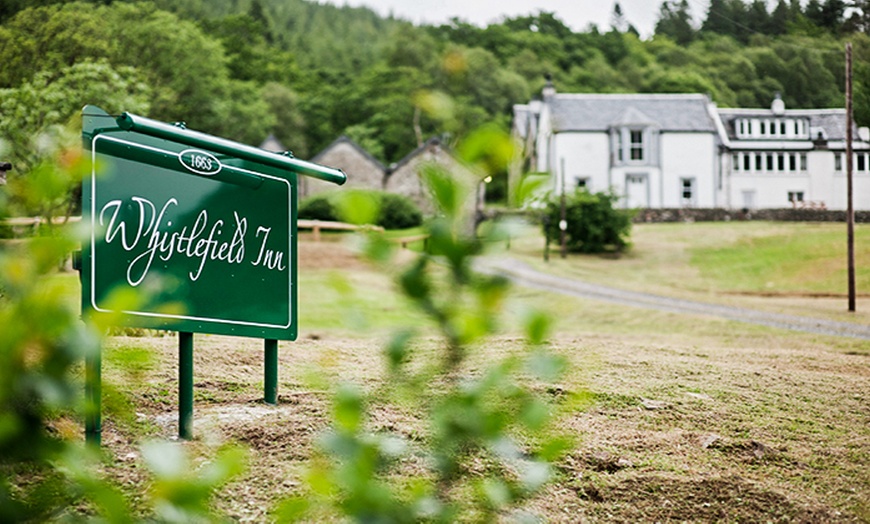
(585, 155)
(688, 155)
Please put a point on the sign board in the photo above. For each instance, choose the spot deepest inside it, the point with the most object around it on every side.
(199, 231)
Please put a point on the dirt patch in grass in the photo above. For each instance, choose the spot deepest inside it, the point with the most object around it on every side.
(663, 499)
(673, 420)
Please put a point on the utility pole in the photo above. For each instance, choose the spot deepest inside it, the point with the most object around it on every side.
(563, 222)
(850, 211)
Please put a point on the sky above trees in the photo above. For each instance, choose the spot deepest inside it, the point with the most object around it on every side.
(577, 14)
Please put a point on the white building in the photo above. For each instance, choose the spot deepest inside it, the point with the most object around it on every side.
(680, 150)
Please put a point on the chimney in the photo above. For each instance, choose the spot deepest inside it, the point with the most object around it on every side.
(549, 88)
(778, 106)
(4, 167)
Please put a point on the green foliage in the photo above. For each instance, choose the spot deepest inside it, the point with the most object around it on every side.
(37, 111)
(593, 224)
(317, 207)
(398, 212)
(45, 472)
(388, 210)
(475, 416)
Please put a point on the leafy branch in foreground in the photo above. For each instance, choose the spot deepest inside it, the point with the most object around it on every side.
(486, 446)
(46, 471)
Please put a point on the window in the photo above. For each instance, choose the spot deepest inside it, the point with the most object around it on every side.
(758, 161)
(838, 162)
(782, 128)
(736, 161)
(769, 163)
(583, 183)
(792, 162)
(763, 127)
(619, 146)
(803, 161)
(687, 191)
(795, 197)
(636, 145)
(862, 162)
(747, 161)
(780, 162)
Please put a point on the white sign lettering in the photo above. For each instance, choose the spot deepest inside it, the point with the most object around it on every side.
(150, 234)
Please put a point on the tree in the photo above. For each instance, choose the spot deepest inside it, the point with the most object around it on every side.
(757, 18)
(617, 19)
(675, 21)
(53, 99)
(289, 126)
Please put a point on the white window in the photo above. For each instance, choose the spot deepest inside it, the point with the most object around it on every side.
(862, 162)
(582, 182)
(636, 145)
(792, 162)
(780, 162)
(803, 161)
(838, 162)
(795, 196)
(687, 191)
(736, 161)
(619, 145)
(747, 161)
(769, 163)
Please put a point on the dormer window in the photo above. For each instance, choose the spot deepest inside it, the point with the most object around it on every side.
(791, 128)
(633, 145)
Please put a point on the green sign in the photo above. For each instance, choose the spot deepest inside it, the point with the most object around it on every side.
(201, 230)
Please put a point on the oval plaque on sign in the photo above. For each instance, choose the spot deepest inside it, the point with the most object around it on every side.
(200, 162)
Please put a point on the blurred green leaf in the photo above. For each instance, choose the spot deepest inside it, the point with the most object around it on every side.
(529, 189)
(489, 148)
(357, 207)
(537, 327)
(348, 408)
(445, 190)
(397, 348)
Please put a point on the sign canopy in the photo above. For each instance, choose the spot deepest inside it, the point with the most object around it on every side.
(189, 232)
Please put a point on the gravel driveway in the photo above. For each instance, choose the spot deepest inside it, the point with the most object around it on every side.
(523, 274)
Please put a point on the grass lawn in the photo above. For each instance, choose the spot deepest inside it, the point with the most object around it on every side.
(674, 417)
(797, 268)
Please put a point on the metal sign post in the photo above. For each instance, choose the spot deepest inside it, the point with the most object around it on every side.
(190, 233)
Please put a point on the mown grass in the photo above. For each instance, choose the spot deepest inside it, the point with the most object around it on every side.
(787, 411)
(719, 256)
(805, 258)
(796, 268)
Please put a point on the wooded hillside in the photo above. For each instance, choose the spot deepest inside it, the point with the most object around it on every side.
(308, 73)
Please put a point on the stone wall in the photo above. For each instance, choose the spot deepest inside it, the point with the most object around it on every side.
(718, 214)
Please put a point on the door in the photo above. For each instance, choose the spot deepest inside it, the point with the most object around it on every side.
(637, 191)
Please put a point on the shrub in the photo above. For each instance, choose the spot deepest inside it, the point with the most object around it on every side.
(593, 224)
(398, 212)
(317, 207)
(394, 211)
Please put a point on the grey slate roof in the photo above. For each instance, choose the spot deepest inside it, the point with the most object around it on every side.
(600, 112)
(346, 139)
(831, 121)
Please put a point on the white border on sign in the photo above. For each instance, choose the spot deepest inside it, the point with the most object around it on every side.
(181, 317)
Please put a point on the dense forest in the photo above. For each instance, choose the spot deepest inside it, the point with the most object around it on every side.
(308, 72)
